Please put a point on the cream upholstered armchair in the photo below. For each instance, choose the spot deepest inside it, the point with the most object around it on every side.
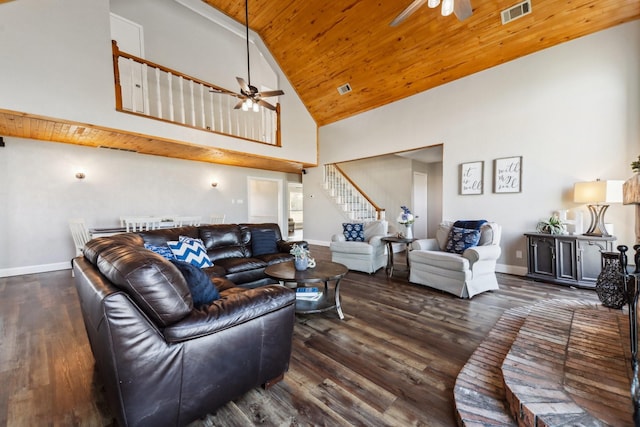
(461, 259)
(359, 246)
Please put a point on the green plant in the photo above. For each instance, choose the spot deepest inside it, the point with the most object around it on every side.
(553, 225)
(298, 251)
(635, 166)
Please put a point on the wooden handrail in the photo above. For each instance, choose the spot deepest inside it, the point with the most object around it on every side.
(375, 206)
(117, 54)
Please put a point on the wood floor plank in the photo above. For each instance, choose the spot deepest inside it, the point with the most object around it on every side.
(392, 361)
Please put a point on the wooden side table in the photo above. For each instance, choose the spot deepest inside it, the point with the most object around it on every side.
(390, 240)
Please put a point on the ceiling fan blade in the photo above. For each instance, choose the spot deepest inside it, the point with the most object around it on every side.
(462, 9)
(243, 85)
(266, 105)
(238, 105)
(268, 93)
(407, 12)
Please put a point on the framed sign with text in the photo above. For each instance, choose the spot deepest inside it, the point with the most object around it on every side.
(507, 175)
(471, 178)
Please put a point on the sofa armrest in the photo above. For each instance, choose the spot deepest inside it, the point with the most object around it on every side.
(425, 245)
(376, 240)
(285, 246)
(482, 253)
(232, 309)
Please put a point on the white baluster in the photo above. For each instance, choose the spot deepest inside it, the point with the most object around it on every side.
(213, 115)
(193, 104)
(132, 65)
(170, 80)
(221, 111)
(202, 112)
(181, 87)
(158, 93)
(145, 90)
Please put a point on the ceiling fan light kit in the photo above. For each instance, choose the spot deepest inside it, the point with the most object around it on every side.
(462, 9)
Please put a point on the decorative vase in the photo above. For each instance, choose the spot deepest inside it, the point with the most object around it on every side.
(409, 232)
(610, 285)
(301, 263)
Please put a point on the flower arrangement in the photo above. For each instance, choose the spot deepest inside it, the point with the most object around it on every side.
(405, 217)
(298, 251)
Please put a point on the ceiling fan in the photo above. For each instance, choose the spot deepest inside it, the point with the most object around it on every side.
(462, 9)
(250, 97)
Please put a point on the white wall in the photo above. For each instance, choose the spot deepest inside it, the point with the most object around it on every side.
(572, 112)
(39, 193)
(57, 62)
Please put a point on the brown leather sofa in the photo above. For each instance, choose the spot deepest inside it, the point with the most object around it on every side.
(164, 362)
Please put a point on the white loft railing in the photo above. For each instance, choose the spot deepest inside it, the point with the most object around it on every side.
(151, 90)
(349, 197)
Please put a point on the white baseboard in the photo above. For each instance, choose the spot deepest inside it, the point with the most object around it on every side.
(511, 269)
(318, 242)
(32, 269)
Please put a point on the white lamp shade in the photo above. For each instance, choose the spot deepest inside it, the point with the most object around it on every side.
(598, 192)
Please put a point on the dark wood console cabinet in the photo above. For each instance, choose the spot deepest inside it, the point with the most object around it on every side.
(566, 260)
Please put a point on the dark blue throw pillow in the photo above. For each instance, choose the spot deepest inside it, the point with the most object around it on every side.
(263, 242)
(203, 292)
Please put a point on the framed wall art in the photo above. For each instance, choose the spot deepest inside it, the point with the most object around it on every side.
(507, 175)
(471, 178)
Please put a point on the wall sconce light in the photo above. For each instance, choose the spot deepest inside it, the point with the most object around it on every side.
(80, 175)
(214, 184)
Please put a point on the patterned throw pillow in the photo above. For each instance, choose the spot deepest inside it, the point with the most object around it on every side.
(353, 232)
(461, 239)
(163, 250)
(191, 251)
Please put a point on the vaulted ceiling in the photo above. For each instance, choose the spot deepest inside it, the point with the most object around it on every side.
(323, 44)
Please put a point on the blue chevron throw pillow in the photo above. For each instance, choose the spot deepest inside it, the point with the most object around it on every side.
(191, 251)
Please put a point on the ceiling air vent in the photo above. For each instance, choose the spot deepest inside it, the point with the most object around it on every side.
(345, 88)
(516, 11)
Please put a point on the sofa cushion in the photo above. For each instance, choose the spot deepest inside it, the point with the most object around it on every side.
(352, 247)
(236, 265)
(353, 231)
(156, 285)
(442, 260)
(203, 292)
(190, 250)
(461, 239)
(162, 250)
(263, 242)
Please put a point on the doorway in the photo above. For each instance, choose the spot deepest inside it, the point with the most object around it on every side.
(420, 204)
(296, 220)
(265, 201)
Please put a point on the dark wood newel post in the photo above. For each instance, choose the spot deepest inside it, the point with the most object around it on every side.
(116, 74)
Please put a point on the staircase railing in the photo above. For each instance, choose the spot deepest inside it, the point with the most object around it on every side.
(355, 204)
(155, 91)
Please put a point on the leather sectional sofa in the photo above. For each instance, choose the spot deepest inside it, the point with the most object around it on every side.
(163, 361)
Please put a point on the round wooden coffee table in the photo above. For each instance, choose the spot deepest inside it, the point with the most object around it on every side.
(323, 272)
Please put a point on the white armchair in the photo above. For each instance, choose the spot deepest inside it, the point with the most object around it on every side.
(464, 275)
(367, 256)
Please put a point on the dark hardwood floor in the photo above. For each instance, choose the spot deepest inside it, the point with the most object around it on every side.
(393, 360)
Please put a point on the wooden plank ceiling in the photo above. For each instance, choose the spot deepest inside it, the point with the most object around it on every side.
(323, 44)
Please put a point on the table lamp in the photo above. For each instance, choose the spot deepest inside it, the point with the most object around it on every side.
(598, 194)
